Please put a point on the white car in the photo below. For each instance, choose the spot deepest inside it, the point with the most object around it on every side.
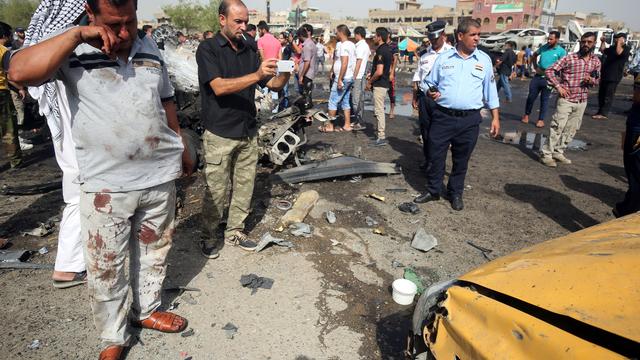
(522, 37)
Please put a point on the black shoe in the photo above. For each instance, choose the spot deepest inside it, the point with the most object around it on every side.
(456, 203)
(426, 197)
(209, 252)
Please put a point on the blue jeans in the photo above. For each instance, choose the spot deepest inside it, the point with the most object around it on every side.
(340, 98)
(503, 81)
(537, 86)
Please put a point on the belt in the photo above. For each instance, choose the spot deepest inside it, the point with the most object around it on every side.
(456, 113)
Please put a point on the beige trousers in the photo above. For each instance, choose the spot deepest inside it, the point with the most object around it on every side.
(564, 124)
(379, 95)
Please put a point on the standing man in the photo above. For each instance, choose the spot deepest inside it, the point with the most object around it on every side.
(362, 58)
(543, 58)
(615, 57)
(461, 82)
(268, 45)
(393, 45)
(308, 66)
(379, 82)
(229, 71)
(147, 30)
(572, 76)
(8, 120)
(249, 37)
(504, 66)
(424, 104)
(321, 52)
(125, 129)
(343, 71)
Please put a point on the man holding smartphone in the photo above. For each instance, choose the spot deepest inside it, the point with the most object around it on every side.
(229, 70)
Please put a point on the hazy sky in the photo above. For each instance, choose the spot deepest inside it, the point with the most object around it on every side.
(625, 10)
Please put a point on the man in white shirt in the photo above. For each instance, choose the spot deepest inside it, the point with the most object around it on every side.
(343, 68)
(362, 58)
(321, 50)
(422, 103)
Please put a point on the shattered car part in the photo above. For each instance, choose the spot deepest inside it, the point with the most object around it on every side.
(31, 189)
(423, 241)
(332, 168)
(267, 239)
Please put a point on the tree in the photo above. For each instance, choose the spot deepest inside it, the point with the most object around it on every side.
(17, 13)
(193, 15)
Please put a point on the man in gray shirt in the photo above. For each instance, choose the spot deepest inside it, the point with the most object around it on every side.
(129, 153)
(308, 66)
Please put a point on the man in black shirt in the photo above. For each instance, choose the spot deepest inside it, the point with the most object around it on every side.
(250, 37)
(379, 81)
(505, 68)
(631, 158)
(615, 56)
(228, 71)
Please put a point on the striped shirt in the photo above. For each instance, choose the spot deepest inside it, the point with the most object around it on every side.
(123, 141)
(569, 73)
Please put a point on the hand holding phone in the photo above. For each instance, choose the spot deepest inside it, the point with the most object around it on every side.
(285, 66)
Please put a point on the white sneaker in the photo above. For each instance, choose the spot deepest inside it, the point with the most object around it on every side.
(548, 161)
(561, 158)
(25, 146)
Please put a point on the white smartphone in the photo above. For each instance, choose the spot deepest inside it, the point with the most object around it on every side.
(285, 66)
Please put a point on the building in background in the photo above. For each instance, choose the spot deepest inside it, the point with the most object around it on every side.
(500, 15)
(548, 15)
(589, 20)
(409, 15)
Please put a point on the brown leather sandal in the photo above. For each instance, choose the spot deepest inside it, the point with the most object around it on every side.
(113, 352)
(162, 321)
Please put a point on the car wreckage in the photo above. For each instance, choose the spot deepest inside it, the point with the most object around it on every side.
(281, 134)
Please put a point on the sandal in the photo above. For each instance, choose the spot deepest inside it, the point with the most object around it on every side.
(599, 117)
(344, 129)
(357, 127)
(540, 124)
(113, 352)
(162, 321)
(78, 279)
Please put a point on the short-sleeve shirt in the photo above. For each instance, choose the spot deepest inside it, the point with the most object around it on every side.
(507, 61)
(548, 55)
(269, 45)
(613, 65)
(3, 75)
(234, 115)
(123, 140)
(362, 53)
(309, 54)
(382, 57)
(287, 51)
(348, 49)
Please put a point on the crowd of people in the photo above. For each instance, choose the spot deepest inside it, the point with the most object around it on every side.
(119, 174)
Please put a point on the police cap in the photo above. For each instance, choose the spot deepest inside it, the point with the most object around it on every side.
(436, 28)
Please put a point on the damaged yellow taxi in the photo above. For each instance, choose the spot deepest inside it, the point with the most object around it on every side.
(574, 297)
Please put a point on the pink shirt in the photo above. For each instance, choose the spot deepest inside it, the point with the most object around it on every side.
(269, 45)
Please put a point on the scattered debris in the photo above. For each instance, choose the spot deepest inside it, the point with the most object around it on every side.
(25, 266)
(335, 242)
(35, 344)
(396, 264)
(370, 222)
(380, 231)
(411, 275)
(355, 179)
(334, 168)
(14, 256)
(303, 205)
(267, 239)
(31, 189)
(230, 330)
(397, 190)
(376, 197)
(174, 306)
(423, 241)
(301, 229)
(255, 282)
(284, 205)
(331, 217)
(43, 250)
(3, 243)
(41, 231)
(485, 252)
(188, 333)
(409, 207)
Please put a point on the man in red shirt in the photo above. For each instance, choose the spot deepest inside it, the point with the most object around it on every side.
(572, 76)
(268, 45)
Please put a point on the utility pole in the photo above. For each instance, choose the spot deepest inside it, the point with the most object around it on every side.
(268, 11)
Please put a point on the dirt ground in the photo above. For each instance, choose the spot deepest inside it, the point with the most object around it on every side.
(328, 301)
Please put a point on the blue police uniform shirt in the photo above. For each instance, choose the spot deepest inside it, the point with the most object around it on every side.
(464, 84)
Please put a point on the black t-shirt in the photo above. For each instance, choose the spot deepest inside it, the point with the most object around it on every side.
(383, 56)
(508, 59)
(234, 115)
(613, 65)
(287, 52)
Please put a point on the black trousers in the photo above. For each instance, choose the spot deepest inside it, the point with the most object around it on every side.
(425, 112)
(305, 90)
(606, 92)
(462, 134)
(631, 159)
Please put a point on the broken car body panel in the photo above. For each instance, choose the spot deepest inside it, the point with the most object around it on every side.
(576, 296)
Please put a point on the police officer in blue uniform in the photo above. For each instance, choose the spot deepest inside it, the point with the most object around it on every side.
(461, 82)
(422, 103)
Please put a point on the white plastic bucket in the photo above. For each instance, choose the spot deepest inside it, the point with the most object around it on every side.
(404, 291)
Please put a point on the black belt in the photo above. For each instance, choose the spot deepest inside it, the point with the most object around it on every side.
(456, 113)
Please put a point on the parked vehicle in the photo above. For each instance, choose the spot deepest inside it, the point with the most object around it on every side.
(574, 31)
(574, 297)
(522, 37)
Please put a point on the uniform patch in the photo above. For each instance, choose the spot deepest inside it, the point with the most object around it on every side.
(447, 67)
(479, 66)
